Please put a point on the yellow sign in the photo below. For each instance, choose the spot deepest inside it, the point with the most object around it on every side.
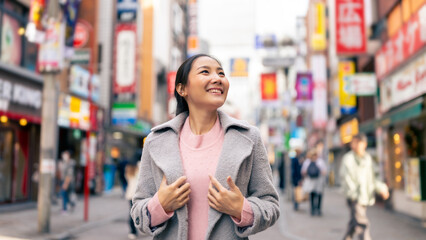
(239, 67)
(319, 39)
(192, 43)
(347, 101)
(348, 130)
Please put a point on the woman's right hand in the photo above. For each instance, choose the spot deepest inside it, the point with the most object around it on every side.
(175, 195)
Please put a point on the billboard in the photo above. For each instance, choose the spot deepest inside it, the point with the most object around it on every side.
(319, 74)
(239, 67)
(318, 39)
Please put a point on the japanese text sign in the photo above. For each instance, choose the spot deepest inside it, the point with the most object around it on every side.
(403, 45)
(350, 27)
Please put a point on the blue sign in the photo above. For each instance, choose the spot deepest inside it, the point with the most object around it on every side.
(127, 10)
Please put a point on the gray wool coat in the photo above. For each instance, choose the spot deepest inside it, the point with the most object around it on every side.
(243, 157)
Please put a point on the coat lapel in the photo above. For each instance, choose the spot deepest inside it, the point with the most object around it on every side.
(236, 148)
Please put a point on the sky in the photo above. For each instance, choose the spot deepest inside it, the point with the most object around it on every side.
(229, 21)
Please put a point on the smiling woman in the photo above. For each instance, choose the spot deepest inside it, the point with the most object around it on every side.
(204, 175)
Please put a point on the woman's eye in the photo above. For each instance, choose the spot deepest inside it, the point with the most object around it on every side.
(222, 73)
(204, 71)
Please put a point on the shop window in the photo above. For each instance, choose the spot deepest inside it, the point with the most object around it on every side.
(11, 41)
(14, 47)
(6, 160)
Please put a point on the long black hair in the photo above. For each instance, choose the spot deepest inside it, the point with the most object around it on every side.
(182, 78)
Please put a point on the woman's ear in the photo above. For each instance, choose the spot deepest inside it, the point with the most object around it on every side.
(180, 89)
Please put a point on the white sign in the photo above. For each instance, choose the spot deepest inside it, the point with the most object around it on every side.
(19, 94)
(362, 84)
(126, 49)
(404, 85)
(47, 166)
(79, 81)
(319, 74)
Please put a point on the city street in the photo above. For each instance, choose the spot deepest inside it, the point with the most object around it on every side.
(108, 220)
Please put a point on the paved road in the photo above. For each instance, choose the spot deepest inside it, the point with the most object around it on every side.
(108, 220)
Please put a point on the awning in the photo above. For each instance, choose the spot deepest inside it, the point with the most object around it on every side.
(402, 113)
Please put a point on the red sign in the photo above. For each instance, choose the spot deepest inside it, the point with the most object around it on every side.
(81, 35)
(269, 86)
(171, 79)
(403, 45)
(350, 27)
(125, 58)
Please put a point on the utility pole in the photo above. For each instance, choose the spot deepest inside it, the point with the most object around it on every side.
(48, 143)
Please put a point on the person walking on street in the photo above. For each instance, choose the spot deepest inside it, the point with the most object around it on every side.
(359, 184)
(314, 171)
(66, 170)
(204, 174)
(296, 176)
(131, 174)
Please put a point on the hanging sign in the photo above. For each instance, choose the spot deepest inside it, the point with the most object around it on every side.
(350, 27)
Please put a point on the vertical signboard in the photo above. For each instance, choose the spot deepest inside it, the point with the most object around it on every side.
(350, 27)
(193, 41)
(318, 39)
(347, 100)
(71, 8)
(124, 108)
(319, 74)
(269, 86)
(125, 58)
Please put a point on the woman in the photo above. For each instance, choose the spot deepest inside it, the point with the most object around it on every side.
(204, 175)
(314, 171)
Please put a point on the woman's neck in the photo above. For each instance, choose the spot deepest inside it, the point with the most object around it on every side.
(201, 121)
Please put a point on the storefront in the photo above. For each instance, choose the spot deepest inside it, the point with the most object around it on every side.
(77, 117)
(20, 117)
(401, 131)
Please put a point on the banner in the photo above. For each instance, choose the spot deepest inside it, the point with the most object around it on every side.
(269, 86)
(347, 101)
(71, 8)
(350, 27)
(318, 40)
(239, 67)
(304, 87)
(51, 51)
(319, 74)
(403, 45)
(125, 59)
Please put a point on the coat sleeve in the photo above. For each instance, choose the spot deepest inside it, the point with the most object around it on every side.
(262, 194)
(145, 190)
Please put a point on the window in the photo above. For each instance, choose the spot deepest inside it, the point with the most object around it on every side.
(14, 47)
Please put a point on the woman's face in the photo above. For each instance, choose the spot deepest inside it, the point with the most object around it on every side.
(207, 85)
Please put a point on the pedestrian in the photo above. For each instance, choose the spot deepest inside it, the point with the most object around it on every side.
(296, 176)
(132, 181)
(314, 171)
(359, 184)
(204, 174)
(66, 171)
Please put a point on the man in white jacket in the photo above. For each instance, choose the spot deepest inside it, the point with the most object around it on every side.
(359, 184)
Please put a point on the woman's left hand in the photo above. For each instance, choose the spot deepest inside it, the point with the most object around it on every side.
(226, 201)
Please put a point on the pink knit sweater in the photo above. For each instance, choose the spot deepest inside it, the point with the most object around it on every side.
(200, 155)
